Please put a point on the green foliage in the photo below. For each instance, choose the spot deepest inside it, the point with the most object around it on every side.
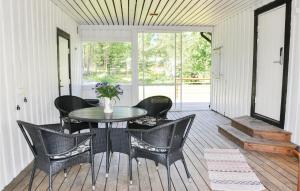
(107, 62)
(197, 55)
(157, 52)
(105, 89)
(108, 91)
(111, 62)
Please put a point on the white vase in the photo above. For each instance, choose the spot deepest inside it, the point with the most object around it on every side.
(108, 107)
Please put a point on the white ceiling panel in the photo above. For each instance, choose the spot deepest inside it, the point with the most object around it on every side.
(152, 12)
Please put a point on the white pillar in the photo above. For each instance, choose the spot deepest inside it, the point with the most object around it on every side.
(135, 70)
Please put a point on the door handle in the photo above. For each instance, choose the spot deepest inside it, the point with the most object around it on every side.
(280, 61)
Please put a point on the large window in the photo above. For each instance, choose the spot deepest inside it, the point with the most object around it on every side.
(109, 62)
(176, 65)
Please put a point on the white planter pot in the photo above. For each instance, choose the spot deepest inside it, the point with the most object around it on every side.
(108, 105)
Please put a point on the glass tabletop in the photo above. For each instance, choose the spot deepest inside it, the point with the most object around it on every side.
(96, 114)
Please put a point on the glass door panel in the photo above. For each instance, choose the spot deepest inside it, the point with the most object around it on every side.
(178, 71)
(176, 65)
(196, 64)
(157, 65)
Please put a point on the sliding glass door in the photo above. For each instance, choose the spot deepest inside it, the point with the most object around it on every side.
(157, 65)
(175, 65)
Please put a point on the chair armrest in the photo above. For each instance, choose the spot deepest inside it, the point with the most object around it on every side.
(165, 123)
(55, 126)
(57, 143)
(66, 113)
(162, 112)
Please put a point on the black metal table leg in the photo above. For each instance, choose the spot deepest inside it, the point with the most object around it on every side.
(107, 127)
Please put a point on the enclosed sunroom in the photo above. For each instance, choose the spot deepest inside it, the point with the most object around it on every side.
(149, 95)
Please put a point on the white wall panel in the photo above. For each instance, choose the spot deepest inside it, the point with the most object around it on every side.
(292, 120)
(231, 93)
(29, 69)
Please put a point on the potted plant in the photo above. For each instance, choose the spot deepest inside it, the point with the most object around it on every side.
(108, 92)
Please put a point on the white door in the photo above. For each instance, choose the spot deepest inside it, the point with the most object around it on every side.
(270, 46)
(64, 77)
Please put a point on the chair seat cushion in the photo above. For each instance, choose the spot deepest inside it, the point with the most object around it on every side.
(83, 147)
(147, 120)
(136, 143)
(66, 120)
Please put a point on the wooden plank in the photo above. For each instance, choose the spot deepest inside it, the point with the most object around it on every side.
(190, 185)
(24, 184)
(143, 175)
(196, 175)
(153, 175)
(284, 172)
(135, 177)
(276, 172)
(176, 179)
(81, 177)
(260, 129)
(44, 185)
(97, 162)
(162, 171)
(198, 163)
(58, 181)
(20, 178)
(269, 181)
(72, 174)
(112, 179)
(217, 144)
(101, 180)
(37, 180)
(123, 173)
(256, 144)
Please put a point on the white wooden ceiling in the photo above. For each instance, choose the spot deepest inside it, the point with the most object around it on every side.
(139, 12)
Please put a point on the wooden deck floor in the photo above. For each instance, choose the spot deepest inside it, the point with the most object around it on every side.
(276, 172)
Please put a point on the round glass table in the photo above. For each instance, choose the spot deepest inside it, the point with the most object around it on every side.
(96, 115)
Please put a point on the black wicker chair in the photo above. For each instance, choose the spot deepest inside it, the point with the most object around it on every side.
(66, 104)
(163, 143)
(54, 150)
(157, 108)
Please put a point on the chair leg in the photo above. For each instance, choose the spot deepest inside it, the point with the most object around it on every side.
(186, 169)
(93, 173)
(130, 169)
(65, 172)
(137, 161)
(32, 176)
(130, 159)
(169, 175)
(50, 180)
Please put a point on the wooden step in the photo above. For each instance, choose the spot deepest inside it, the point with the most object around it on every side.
(260, 129)
(256, 144)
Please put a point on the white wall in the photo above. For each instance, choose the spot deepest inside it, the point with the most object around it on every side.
(292, 116)
(29, 69)
(231, 93)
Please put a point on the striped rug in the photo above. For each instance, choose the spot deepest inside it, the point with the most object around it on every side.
(229, 170)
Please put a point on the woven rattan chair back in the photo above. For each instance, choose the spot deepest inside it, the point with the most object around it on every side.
(65, 104)
(180, 132)
(169, 134)
(155, 105)
(33, 137)
(53, 150)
